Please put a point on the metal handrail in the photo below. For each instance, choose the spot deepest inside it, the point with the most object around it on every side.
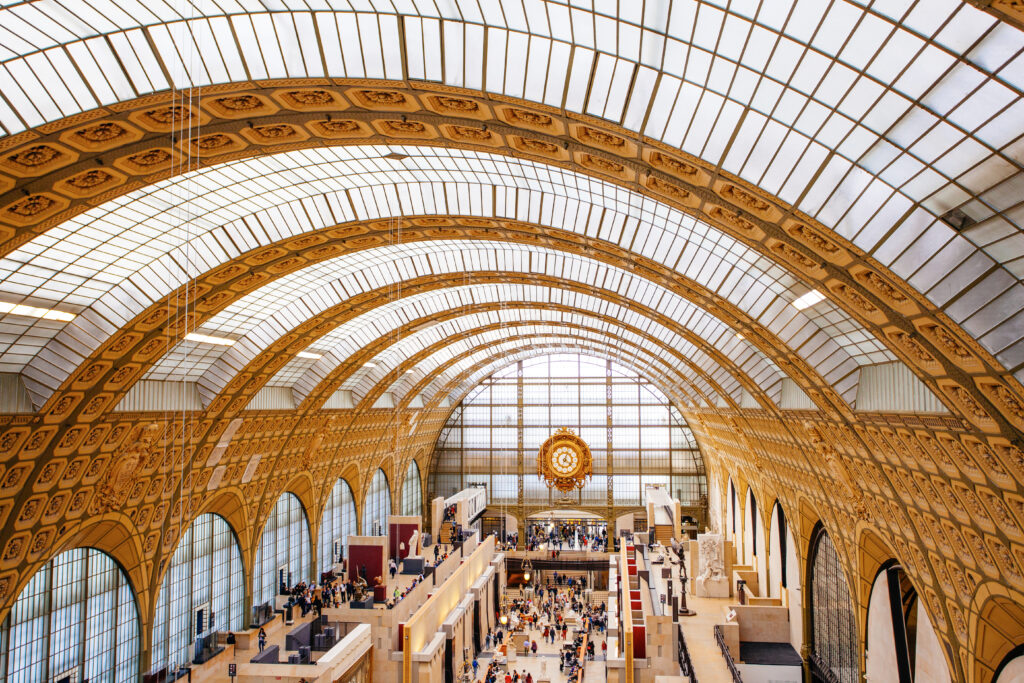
(720, 638)
(685, 662)
(822, 670)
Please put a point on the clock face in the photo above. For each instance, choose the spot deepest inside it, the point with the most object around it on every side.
(564, 461)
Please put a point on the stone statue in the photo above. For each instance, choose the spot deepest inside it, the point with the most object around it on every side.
(712, 581)
(414, 544)
(711, 556)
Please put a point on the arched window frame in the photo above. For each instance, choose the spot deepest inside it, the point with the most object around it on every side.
(206, 569)
(412, 491)
(339, 521)
(78, 612)
(834, 644)
(377, 505)
(286, 535)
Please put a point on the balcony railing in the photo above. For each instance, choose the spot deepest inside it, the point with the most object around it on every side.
(720, 639)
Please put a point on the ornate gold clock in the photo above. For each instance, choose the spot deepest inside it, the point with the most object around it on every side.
(564, 461)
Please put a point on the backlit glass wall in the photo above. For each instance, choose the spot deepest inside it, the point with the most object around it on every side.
(205, 574)
(412, 491)
(338, 523)
(284, 551)
(77, 616)
(635, 435)
(377, 506)
(833, 623)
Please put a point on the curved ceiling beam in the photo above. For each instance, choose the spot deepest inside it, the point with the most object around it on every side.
(397, 319)
(309, 292)
(495, 356)
(484, 337)
(394, 351)
(250, 378)
(957, 392)
(445, 350)
(674, 243)
(889, 132)
(469, 377)
(436, 383)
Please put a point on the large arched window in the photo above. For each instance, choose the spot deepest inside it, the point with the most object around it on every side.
(412, 491)
(833, 627)
(636, 436)
(376, 505)
(284, 553)
(77, 616)
(338, 523)
(205, 574)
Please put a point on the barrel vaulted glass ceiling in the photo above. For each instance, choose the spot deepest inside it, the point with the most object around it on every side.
(503, 324)
(861, 113)
(469, 352)
(298, 296)
(459, 380)
(876, 118)
(144, 245)
(340, 344)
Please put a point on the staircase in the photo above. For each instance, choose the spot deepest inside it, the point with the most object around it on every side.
(447, 533)
(663, 534)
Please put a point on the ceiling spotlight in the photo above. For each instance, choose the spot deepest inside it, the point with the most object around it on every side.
(306, 354)
(809, 299)
(739, 335)
(369, 365)
(207, 339)
(396, 156)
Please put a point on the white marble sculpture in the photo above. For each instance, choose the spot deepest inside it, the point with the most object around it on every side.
(414, 544)
(712, 581)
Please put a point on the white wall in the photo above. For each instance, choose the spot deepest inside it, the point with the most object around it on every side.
(748, 529)
(1013, 673)
(767, 673)
(796, 617)
(930, 663)
(774, 555)
(714, 506)
(881, 648)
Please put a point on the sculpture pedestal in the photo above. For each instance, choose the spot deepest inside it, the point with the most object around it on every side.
(362, 604)
(412, 565)
(712, 588)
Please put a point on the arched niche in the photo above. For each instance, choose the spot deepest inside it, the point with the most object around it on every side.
(783, 570)
(900, 642)
(412, 491)
(833, 624)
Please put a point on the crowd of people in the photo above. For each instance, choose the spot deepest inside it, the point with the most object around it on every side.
(567, 535)
(315, 597)
(545, 614)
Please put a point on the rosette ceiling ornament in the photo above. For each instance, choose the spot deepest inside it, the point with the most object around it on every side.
(564, 461)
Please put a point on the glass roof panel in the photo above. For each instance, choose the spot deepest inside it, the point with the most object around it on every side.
(548, 339)
(920, 77)
(339, 344)
(500, 362)
(389, 360)
(149, 242)
(278, 307)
